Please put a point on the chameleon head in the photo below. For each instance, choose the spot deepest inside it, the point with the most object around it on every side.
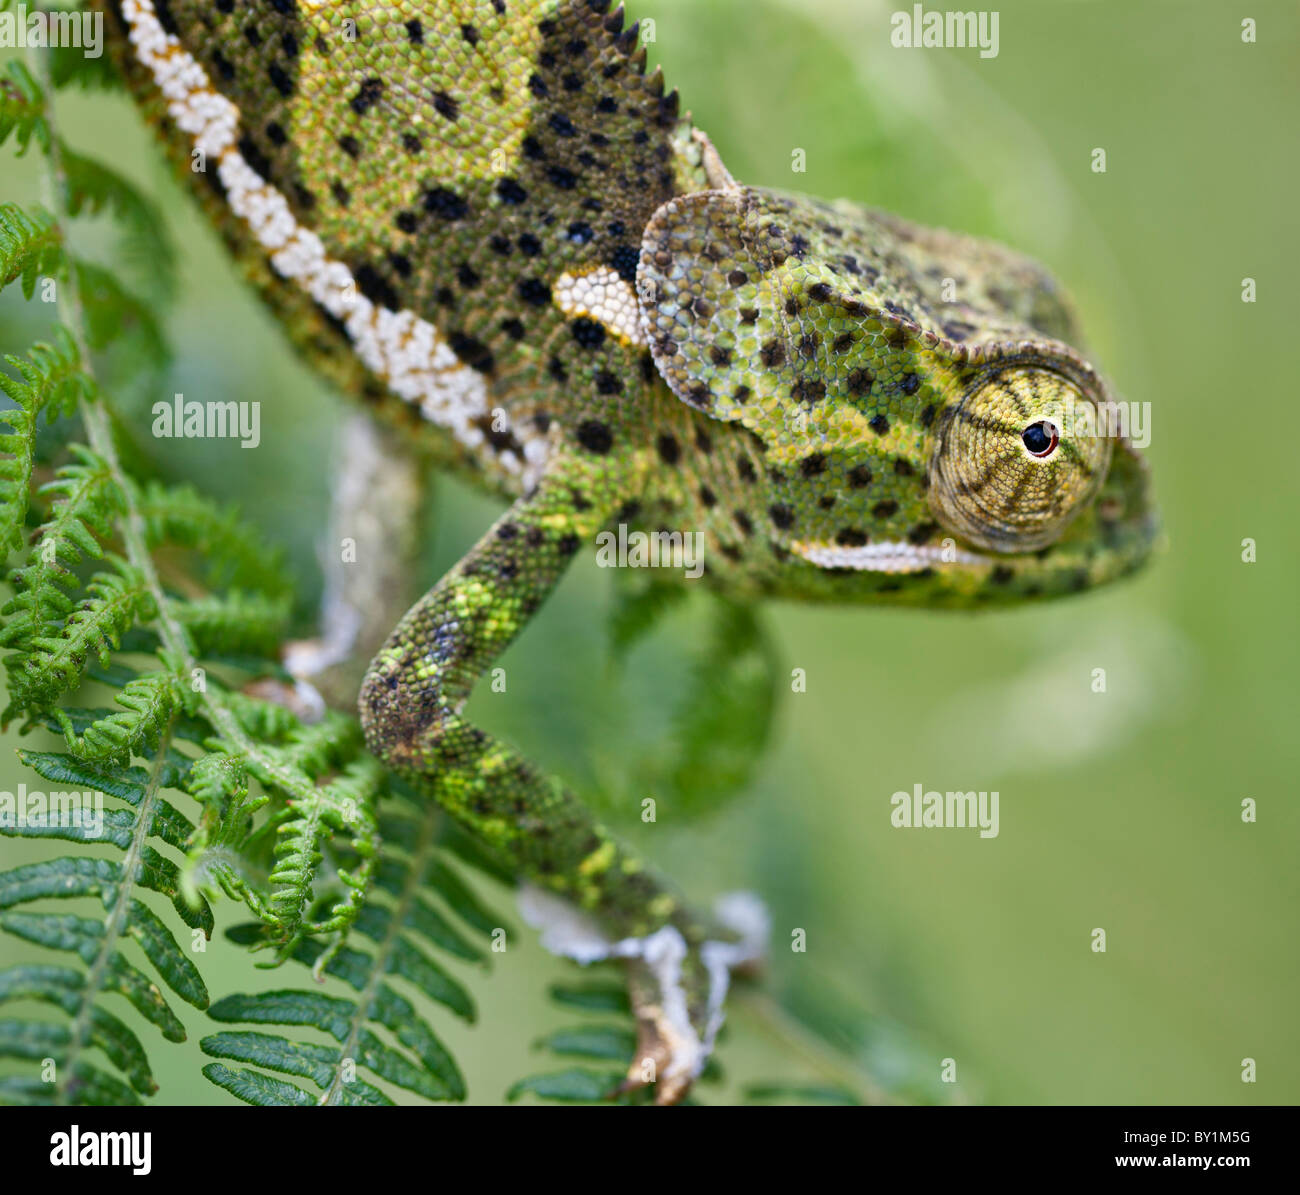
(914, 448)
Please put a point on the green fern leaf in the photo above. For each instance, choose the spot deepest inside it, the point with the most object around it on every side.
(31, 245)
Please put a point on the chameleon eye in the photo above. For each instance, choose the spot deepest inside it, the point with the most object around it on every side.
(1041, 438)
(1016, 459)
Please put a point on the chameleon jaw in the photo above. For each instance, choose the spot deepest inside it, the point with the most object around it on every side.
(886, 557)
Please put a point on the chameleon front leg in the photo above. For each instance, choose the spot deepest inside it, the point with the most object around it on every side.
(593, 898)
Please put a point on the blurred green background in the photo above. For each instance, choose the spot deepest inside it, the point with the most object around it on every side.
(1119, 810)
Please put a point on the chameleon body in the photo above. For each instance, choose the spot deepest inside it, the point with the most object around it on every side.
(487, 221)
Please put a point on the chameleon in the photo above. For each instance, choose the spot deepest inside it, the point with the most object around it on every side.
(491, 225)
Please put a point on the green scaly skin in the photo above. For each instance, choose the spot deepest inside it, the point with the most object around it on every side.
(805, 383)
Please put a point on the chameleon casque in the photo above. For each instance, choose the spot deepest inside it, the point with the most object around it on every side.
(486, 220)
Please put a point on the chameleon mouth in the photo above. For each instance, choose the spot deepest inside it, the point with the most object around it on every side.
(886, 557)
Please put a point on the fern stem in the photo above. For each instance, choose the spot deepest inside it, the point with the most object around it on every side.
(410, 889)
(115, 923)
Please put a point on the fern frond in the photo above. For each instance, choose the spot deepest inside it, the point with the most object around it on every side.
(230, 552)
(50, 379)
(401, 933)
(148, 703)
(144, 815)
(234, 623)
(52, 664)
(22, 109)
(31, 245)
(94, 188)
(117, 319)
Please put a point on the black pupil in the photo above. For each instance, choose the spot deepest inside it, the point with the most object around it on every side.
(1039, 438)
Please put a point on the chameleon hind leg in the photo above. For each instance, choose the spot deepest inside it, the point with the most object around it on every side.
(592, 898)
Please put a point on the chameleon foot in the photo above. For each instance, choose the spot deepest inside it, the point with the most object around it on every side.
(677, 990)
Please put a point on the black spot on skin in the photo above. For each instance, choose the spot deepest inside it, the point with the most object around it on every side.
(368, 95)
(537, 85)
(851, 537)
(826, 501)
(749, 315)
(595, 436)
(555, 367)
(699, 395)
(562, 177)
(511, 192)
(719, 356)
(532, 148)
(446, 106)
(407, 221)
(842, 343)
(902, 467)
(567, 544)
(808, 390)
(468, 32)
(580, 232)
(415, 32)
(222, 63)
(743, 393)
(791, 307)
(812, 465)
(624, 259)
(885, 510)
(879, 424)
(708, 497)
(342, 196)
(534, 291)
(703, 441)
(1001, 575)
(275, 134)
(927, 416)
(411, 143)
(254, 156)
(744, 522)
(588, 333)
(467, 278)
(253, 37)
(280, 79)
(499, 245)
(472, 352)
(737, 278)
(445, 204)
(606, 105)
(860, 381)
(529, 245)
(731, 552)
(166, 18)
(921, 533)
(819, 291)
(782, 516)
(401, 264)
(372, 284)
(670, 452)
(562, 125)
(860, 477)
(745, 470)
(910, 383)
(608, 383)
(772, 354)
(513, 328)
(350, 146)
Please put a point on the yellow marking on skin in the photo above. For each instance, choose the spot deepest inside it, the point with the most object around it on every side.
(603, 295)
(599, 860)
